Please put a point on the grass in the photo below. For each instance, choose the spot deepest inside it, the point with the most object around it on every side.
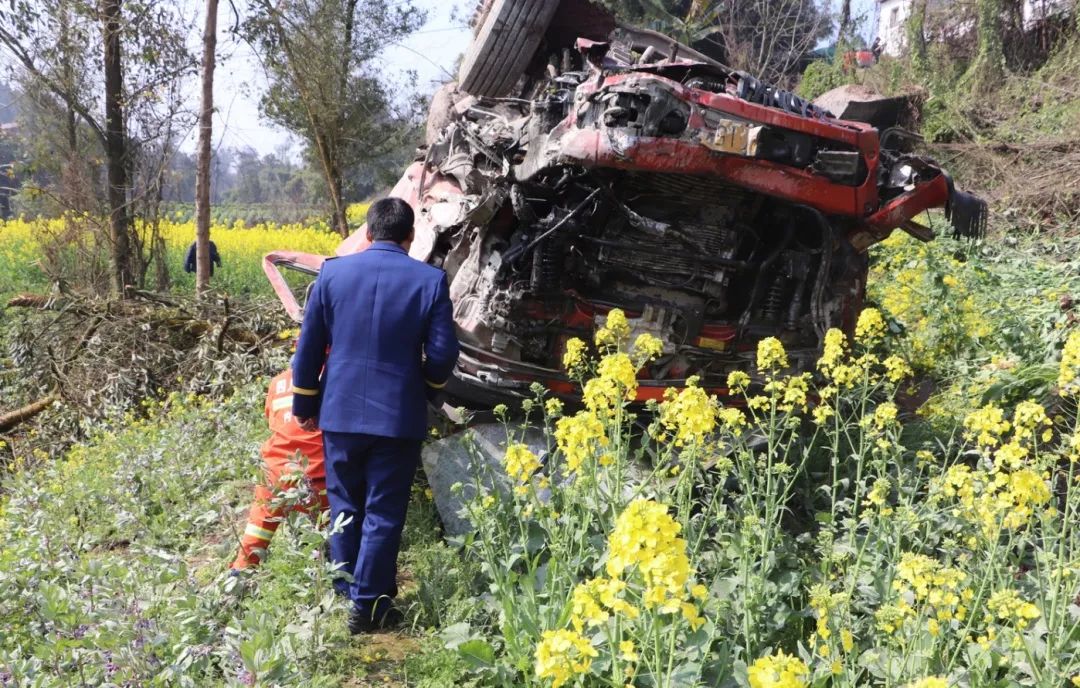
(113, 561)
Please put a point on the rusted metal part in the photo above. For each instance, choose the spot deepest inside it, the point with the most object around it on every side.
(303, 262)
(932, 194)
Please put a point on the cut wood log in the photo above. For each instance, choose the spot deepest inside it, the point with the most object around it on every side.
(21, 415)
(28, 301)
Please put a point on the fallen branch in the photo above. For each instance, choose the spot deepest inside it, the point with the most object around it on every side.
(20, 415)
(28, 301)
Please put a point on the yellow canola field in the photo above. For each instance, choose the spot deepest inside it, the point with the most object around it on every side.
(31, 250)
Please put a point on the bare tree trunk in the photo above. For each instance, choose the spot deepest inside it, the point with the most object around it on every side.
(332, 175)
(69, 79)
(341, 220)
(116, 151)
(845, 22)
(202, 169)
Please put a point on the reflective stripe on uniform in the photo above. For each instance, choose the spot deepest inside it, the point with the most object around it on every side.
(435, 385)
(281, 403)
(305, 391)
(255, 531)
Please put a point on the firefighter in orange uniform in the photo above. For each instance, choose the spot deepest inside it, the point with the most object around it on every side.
(279, 454)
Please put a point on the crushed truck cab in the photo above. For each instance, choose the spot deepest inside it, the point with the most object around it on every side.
(629, 171)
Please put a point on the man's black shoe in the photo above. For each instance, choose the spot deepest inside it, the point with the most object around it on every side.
(363, 621)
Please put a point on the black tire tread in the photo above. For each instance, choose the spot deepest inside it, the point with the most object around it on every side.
(504, 43)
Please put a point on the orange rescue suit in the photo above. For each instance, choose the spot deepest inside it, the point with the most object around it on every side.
(281, 467)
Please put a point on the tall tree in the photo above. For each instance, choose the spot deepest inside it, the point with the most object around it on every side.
(845, 22)
(140, 53)
(202, 171)
(116, 150)
(324, 84)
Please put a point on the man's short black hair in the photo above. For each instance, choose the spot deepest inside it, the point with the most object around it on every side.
(390, 219)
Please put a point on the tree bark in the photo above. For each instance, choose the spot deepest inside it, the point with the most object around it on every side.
(116, 151)
(202, 170)
(21, 415)
(845, 23)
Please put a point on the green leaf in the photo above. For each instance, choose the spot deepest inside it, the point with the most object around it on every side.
(477, 653)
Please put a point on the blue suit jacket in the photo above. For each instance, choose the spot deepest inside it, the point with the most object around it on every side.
(389, 327)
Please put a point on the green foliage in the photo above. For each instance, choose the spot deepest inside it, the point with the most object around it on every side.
(988, 68)
(821, 76)
(113, 556)
(985, 321)
(326, 86)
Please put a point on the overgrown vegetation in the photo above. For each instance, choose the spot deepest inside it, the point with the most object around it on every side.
(998, 102)
(113, 564)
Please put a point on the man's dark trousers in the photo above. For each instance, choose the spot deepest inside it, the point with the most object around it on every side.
(369, 478)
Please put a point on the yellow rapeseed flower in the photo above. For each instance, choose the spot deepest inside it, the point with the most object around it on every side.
(563, 654)
(778, 671)
(645, 540)
(520, 462)
(986, 425)
(1069, 372)
(615, 332)
(885, 415)
(896, 369)
(771, 355)
(646, 348)
(834, 351)
(594, 601)
(929, 682)
(553, 407)
(688, 414)
(575, 356)
(579, 437)
(1009, 608)
(870, 328)
(615, 383)
(738, 381)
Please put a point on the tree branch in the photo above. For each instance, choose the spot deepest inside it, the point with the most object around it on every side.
(24, 58)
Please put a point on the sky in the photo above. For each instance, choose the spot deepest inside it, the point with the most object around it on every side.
(432, 53)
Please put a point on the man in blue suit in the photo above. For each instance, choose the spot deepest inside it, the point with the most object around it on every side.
(377, 338)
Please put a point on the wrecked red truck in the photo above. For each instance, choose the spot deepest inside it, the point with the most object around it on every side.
(579, 166)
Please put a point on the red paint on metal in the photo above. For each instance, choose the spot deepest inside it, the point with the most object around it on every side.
(689, 156)
(271, 261)
(931, 194)
(593, 148)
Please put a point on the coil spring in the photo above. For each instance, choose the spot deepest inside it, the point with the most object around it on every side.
(774, 301)
(546, 268)
(756, 91)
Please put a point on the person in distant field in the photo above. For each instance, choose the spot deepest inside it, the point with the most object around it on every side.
(189, 259)
(382, 325)
(283, 455)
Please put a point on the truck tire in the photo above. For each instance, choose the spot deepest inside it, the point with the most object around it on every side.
(506, 40)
